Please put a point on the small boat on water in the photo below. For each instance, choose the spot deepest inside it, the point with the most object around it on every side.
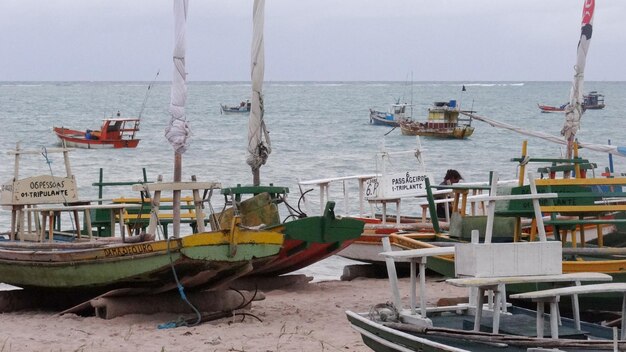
(592, 101)
(242, 108)
(397, 112)
(443, 122)
(548, 108)
(115, 132)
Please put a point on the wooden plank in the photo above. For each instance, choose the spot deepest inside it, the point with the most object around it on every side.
(407, 255)
(573, 290)
(333, 179)
(581, 181)
(490, 281)
(583, 208)
(187, 199)
(480, 198)
(176, 186)
(81, 207)
(584, 221)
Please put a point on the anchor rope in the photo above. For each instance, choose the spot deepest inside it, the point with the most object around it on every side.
(183, 296)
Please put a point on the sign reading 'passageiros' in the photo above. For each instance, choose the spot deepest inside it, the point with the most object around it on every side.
(405, 184)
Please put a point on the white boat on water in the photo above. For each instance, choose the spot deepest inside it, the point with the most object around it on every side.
(397, 112)
(242, 108)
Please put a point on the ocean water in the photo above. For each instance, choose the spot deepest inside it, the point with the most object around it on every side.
(317, 129)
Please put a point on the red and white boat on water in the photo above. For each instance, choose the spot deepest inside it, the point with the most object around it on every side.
(114, 133)
(548, 108)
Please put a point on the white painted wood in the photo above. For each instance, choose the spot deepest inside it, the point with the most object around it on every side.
(176, 186)
(569, 277)
(537, 208)
(502, 259)
(392, 275)
(407, 255)
(552, 296)
(571, 290)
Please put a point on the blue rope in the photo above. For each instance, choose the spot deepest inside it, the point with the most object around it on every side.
(183, 296)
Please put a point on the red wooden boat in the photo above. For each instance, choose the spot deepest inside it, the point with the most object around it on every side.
(548, 108)
(114, 133)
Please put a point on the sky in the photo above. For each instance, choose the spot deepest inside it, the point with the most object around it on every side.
(307, 40)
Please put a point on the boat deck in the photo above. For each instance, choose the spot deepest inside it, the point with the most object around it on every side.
(520, 324)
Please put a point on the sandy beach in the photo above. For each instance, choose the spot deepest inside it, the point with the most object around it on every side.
(303, 317)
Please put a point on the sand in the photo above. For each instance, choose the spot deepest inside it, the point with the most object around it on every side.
(304, 317)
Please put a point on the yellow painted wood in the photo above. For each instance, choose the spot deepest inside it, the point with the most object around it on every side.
(581, 181)
(582, 208)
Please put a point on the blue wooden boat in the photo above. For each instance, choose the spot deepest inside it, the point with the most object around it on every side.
(397, 112)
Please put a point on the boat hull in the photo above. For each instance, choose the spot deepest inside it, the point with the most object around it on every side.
(449, 333)
(233, 110)
(307, 239)
(77, 139)
(199, 260)
(383, 119)
(416, 129)
(548, 109)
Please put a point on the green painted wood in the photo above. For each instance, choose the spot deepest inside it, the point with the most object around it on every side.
(324, 229)
(102, 272)
(244, 252)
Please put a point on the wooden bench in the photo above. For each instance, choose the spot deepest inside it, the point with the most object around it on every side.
(417, 259)
(50, 213)
(552, 297)
(579, 202)
(156, 189)
(138, 218)
(100, 219)
(498, 286)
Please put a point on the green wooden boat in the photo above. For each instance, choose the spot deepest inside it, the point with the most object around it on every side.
(308, 239)
(200, 260)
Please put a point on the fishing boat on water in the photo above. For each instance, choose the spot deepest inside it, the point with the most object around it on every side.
(117, 132)
(242, 108)
(548, 108)
(443, 122)
(591, 101)
(396, 113)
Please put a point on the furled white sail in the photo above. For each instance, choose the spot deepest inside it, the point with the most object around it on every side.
(259, 146)
(178, 129)
(574, 110)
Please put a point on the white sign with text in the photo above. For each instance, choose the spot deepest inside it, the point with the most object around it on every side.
(404, 184)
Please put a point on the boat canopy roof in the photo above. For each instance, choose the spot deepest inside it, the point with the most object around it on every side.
(115, 119)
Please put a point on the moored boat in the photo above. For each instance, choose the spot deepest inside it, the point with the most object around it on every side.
(490, 268)
(443, 122)
(38, 255)
(548, 108)
(115, 132)
(242, 108)
(396, 113)
(593, 101)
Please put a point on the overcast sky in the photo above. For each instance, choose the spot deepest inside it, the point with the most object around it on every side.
(322, 40)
